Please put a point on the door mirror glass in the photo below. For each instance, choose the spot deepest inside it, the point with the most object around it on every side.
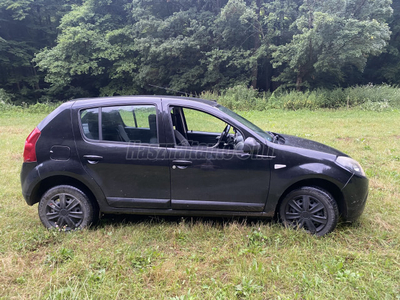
(251, 145)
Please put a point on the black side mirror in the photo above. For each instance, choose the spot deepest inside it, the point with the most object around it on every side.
(251, 145)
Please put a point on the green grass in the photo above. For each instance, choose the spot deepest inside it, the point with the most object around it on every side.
(175, 258)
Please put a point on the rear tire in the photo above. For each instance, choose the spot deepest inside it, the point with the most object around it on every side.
(310, 208)
(66, 208)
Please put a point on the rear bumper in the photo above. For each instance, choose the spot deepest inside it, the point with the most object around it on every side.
(29, 179)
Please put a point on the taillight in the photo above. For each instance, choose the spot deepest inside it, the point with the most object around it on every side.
(30, 146)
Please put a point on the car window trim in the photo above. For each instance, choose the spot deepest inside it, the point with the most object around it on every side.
(170, 105)
(100, 140)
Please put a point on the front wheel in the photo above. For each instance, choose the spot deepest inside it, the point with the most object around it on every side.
(310, 208)
(66, 208)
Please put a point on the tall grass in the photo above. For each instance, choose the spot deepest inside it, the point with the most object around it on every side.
(367, 97)
(38, 108)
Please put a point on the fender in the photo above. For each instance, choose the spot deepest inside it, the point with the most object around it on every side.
(52, 169)
(283, 179)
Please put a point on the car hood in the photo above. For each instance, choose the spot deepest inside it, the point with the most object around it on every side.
(294, 141)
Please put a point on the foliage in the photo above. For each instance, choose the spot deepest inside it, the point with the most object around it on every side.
(53, 50)
(37, 108)
(25, 28)
(239, 97)
(5, 97)
(126, 47)
(331, 35)
(386, 67)
(367, 97)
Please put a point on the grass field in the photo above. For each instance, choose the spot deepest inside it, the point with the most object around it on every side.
(174, 258)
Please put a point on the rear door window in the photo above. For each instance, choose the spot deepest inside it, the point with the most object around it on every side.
(133, 123)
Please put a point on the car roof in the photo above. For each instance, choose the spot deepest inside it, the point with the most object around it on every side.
(104, 101)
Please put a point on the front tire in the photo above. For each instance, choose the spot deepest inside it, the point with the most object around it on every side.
(66, 208)
(310, 208)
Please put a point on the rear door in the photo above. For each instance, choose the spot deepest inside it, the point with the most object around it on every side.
(120, 148)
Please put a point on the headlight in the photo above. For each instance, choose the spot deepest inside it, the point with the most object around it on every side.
(350, 164)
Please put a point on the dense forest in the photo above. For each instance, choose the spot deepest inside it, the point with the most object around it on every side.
(53, 50)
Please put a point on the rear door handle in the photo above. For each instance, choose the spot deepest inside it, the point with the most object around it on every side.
(93, 159)
(181, 164)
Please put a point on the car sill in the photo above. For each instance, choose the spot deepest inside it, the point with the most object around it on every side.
(216, 205)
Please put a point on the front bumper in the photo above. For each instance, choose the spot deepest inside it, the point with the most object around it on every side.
(355, 195)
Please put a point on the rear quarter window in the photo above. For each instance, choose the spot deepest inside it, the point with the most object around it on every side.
(90, 123)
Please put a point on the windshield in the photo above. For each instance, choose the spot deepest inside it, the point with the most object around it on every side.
(245, 122)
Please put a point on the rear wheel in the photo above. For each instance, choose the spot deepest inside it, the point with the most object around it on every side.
(66, 207)
(310, 208)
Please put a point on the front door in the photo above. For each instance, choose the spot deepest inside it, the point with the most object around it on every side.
(209, 174)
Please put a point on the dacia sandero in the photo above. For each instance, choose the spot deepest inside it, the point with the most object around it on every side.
(159, 155)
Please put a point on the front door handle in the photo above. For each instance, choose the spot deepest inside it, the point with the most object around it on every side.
(93, 159)
(181, 164)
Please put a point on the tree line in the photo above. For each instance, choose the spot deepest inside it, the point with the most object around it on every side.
(62, 49)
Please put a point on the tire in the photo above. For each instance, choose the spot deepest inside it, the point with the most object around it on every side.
(310, 208)
(66, 208)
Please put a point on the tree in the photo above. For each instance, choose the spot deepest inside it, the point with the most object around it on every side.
(112, 47)
(127, 47)
(331, 35)
(386, 67)
(173, 42)
(26, 27)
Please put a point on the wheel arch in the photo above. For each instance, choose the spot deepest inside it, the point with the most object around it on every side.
(323, 184)
(52, 181)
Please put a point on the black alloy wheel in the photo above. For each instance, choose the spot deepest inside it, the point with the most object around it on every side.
(310, 208)
(66, 208)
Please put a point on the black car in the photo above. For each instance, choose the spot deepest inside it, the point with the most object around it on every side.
(163, 155)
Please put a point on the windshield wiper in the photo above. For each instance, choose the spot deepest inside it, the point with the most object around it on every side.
(275, 137)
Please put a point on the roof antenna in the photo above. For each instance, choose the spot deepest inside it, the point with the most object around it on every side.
(168, 89)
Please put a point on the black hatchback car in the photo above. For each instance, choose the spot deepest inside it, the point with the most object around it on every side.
(163, 155)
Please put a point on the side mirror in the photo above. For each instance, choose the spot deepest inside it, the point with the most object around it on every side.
(251, 145)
